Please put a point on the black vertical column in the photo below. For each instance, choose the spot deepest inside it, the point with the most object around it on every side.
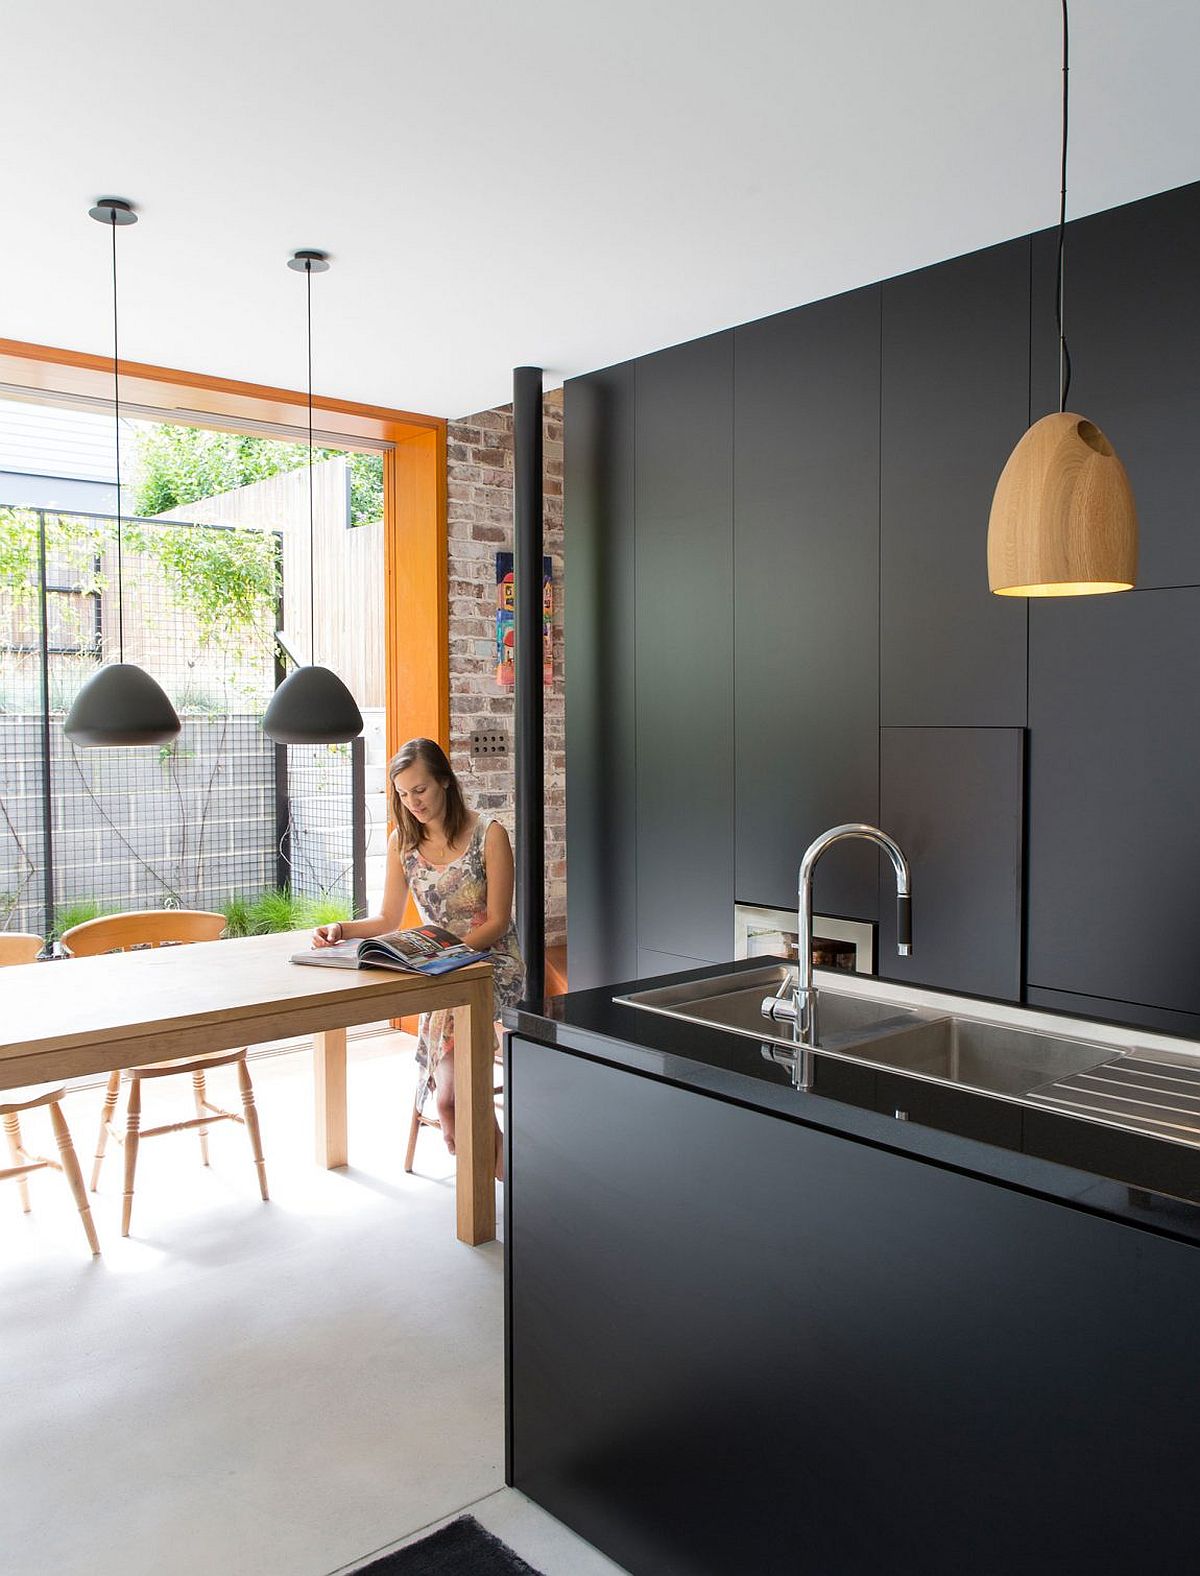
(358, 824)
(49, 946)
(527, 615)
(283, 808)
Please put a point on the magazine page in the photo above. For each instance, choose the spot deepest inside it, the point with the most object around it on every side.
(426, 949)
(343, 955)
(422, 941)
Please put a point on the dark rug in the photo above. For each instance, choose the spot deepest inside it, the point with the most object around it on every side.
(464, 1548)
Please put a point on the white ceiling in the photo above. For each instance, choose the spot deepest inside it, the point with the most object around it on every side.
(564, 184)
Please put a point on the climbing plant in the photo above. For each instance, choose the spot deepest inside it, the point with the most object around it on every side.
(226, 578)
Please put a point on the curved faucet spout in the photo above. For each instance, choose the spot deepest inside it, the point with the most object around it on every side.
(801, 1011)
(870, 834)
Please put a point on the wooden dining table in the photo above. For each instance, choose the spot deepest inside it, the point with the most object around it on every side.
(77, 1016)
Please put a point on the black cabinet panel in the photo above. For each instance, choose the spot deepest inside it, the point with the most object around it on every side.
(600, 692)
(650, 964)
(953, 799)
(1134, 335)
(955, 402)
(1114, 855)
(740, 1344)
(684, 624)
(934, 1105)
(806, 593)
(1186, 1024)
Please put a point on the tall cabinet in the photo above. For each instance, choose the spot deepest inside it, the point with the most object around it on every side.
(683, 619)
(806, 598)
(600, 678)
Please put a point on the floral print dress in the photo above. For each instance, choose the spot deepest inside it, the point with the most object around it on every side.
(455, 897)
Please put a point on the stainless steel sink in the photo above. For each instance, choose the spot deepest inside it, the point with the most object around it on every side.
(733, 1002)
(991, 1057)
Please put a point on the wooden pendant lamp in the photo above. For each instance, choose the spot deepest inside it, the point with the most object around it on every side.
(1063, 519)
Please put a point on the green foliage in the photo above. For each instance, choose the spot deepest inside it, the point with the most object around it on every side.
(278, 909)
(325, 910)
(236, 910)
(366, 488)
(227, 579)
(18, 550)
(77, 912)
(79, 538)
(182, 464)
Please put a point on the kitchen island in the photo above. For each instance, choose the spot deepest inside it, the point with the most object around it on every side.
(883, 1324)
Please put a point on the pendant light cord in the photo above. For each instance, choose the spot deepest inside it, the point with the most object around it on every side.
(312, 550)
(117, 432)
(1064, 355)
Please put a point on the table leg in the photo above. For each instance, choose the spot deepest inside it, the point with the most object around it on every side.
(474, 1116)
(329, 1097)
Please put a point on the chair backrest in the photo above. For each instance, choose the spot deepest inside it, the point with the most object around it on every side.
(18, 946)
(151, 927)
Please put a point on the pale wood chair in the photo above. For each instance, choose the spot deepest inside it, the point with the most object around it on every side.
(556, 985)
(420, 1120)
(18, 947)
(163, 928)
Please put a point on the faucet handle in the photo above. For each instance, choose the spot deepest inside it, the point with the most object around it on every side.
(903, 924)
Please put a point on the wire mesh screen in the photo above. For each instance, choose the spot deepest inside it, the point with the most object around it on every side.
(22, 862)
(202, 822)
(323, 796)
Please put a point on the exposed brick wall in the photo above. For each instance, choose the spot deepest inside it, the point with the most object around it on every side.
(480, 505)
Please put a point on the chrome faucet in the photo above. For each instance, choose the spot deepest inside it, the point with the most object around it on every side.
(798, 1006)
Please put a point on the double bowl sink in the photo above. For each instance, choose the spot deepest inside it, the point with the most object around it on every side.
(992, 1058)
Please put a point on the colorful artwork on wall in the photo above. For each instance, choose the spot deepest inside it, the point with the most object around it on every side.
(505, 633)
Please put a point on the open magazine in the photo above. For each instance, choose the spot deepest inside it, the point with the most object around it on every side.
(426, 949)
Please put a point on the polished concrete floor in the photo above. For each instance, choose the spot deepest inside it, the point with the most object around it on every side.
(283, 1389)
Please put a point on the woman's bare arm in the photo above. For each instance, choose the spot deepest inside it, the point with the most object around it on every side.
(498, 862)
(391, 912)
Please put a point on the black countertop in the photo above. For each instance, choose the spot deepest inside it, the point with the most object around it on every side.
(1126, 1175)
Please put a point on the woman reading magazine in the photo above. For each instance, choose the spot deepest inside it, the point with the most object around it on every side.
(458, 865)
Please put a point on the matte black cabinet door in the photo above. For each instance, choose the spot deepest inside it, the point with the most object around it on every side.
(806, 593)
(953, 799)
(742, 1345)
(684, 634)
(1134, 335)
(601, 785)
(955, 402)
(1114, 854)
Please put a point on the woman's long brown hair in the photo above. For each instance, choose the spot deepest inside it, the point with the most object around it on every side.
(433, 758)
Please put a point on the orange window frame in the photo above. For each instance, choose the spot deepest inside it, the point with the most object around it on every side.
(416, 616)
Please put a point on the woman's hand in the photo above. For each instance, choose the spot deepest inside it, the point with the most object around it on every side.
(327, 935)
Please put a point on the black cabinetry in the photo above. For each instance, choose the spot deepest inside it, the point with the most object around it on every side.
(953, 799)
(819, 1355)
(955, 402)
(683, 469)
(1114, 852)
(776, 542)
(600, 677)
(806, 597)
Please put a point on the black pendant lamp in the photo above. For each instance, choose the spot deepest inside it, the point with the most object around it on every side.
(121, 704)
(312, 705)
